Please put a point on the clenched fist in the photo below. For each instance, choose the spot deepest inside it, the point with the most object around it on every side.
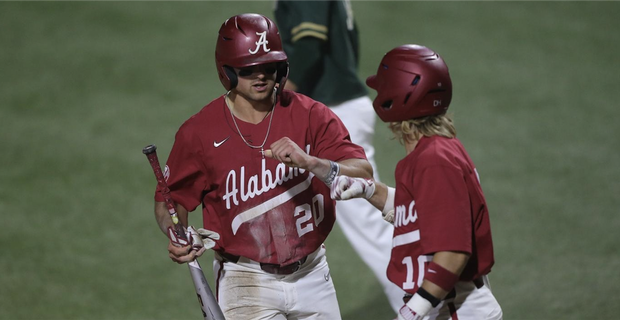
(344, 188)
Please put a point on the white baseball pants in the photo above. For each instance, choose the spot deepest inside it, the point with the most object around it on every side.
(246, 292)
(470, 303)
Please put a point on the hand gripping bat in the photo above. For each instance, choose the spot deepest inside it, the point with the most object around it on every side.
(210, 309)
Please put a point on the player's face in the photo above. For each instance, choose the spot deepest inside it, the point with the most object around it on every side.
(256, 83)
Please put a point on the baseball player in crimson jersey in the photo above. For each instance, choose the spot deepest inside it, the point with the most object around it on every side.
(442, 249)
(321, 40)
(256, 160)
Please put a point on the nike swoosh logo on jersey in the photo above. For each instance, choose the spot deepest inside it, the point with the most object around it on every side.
(326, 276)
(217, 144)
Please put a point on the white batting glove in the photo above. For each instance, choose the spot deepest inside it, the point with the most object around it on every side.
(388, 208)
(405, 313)
(176, 240)
(202, 238)
(344, 188)
(389, 216)
(415, 309)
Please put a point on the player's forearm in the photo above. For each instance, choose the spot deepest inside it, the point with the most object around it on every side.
(453, 262)
(323, 168)
(380, 196)
(359, 168)
(162, 216)
(442, 274)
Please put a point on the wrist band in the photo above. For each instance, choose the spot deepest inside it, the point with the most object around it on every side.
(420, 304)
(431, 298)
(440, 276)
(334, 170)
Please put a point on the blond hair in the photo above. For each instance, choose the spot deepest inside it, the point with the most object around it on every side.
(414, 129)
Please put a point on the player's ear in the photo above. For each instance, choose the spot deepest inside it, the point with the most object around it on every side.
(232, 75)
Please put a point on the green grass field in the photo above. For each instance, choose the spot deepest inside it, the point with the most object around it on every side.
(85, 85)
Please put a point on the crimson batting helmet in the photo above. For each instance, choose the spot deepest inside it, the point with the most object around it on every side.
(247, 40)
(412, 82)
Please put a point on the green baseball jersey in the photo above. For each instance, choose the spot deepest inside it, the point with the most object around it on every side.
(322, 43)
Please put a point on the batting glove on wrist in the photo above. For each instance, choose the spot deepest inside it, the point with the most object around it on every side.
(389, 216)
(405, 313)
(417, 307)
(202, 238)
(175, 239)
(344, 188)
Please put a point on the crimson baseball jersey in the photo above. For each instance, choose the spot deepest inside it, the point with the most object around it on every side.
(262, 209)
(439, 206)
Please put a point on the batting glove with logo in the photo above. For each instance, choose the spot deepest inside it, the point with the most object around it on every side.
(344, 188)
(405, 313)
(175, 239)
(418, 305)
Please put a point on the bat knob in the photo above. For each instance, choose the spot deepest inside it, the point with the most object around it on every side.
(149, 149)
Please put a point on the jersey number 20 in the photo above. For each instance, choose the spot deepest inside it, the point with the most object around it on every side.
(308, 211)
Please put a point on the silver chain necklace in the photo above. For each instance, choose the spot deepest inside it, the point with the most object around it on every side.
(272, 111)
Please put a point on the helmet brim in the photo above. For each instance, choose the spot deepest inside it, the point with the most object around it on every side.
(372, 82)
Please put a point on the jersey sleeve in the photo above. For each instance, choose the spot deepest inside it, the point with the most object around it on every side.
(443, 207)
(306, 63)
(184, 171)
(330, 136)
(307, 40)
(308, 19)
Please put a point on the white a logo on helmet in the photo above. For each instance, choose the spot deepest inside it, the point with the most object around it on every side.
(262, 41)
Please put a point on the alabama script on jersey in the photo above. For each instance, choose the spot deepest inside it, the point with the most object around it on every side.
(263, 210)
(439, 206)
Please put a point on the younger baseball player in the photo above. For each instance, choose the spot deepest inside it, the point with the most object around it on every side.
(441, 249)
(259, 161)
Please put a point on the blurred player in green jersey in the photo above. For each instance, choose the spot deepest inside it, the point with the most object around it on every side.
(321, 40)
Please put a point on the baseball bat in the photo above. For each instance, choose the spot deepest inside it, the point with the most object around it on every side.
(210, 309)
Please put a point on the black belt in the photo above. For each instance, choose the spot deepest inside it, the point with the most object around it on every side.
(479, 283)
(269, 267)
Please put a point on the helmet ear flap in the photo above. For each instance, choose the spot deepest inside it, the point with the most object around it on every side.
(232, 76)
(282, 73)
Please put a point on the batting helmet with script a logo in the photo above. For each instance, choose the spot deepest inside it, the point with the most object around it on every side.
(247, 40)
(412, 82)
